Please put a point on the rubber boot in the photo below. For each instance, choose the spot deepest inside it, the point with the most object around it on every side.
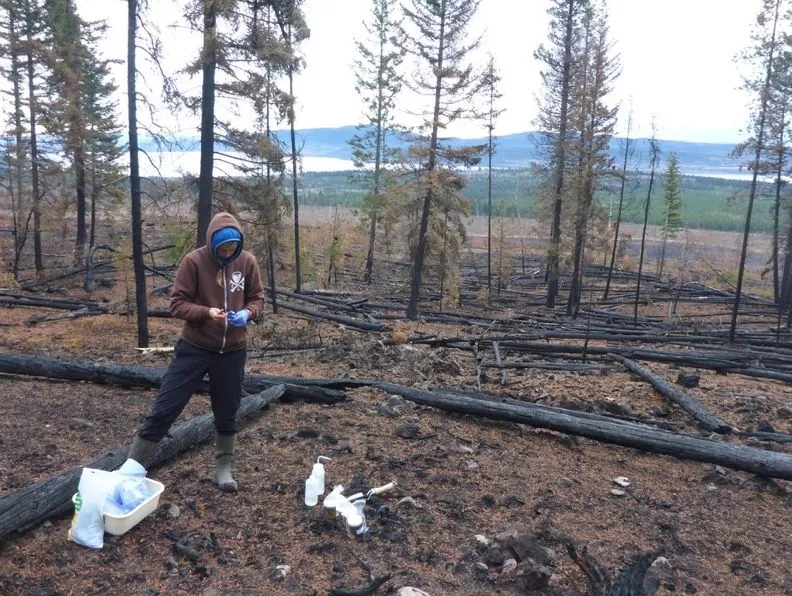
(142, 451)
(224, 453)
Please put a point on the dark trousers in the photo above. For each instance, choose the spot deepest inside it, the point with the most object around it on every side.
(185, 373)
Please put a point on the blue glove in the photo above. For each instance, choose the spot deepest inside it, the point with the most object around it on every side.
(239, 318)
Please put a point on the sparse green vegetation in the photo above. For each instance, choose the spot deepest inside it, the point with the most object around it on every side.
(707, 203)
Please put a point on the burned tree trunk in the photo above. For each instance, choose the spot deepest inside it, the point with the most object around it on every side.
(146, 376)
(52, 497)
(627, 434)
(705, 419)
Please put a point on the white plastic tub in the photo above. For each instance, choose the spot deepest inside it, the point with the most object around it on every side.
(118, 525)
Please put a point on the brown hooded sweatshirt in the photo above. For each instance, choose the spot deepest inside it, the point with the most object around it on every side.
(202, 283)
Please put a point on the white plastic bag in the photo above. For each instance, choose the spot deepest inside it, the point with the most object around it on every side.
(87, 527)
(128, 494)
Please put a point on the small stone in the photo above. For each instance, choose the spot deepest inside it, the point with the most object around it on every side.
(407, 430)
(471, 465)
(509, 565)
(399, 405)
(659, 411)
(720, 470)
(385, 410)
(555, 580)
(480, 568)
(622, 481)
(77, 423)
(712, 487)
(482, 542)
(494, 556)
(173, 510)
(785, 411)
(617, 492)
(373, 453)
(410, 591)
(688, 380)
(410, 502)
(280, 573)
(614, 407)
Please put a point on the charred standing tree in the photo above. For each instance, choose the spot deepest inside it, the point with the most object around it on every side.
(294, 66)
(439, 41)
(654, 159)
(134, 181)
(208, 68)
(31, 28)
(378, 84)
(491, 81)
(767, 46)
(597, 122)
(554, 116)
(622, 184)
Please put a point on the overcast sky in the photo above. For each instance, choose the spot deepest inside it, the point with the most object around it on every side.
(677, 56)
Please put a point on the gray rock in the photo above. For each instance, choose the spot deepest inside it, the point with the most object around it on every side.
(659, 574)
(615, 407)
(373, 453)
(385, 410)
(530, 576)
(785, 411)
(407, 430)
(526, 549)
(688, 379)
(659, 411)
(410, 591)
(509, 565)
(494, 555)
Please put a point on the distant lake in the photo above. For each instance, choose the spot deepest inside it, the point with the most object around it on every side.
(175, 163)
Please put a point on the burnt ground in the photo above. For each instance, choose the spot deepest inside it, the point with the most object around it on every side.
(720, 531)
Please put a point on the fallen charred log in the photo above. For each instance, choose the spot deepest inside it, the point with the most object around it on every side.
(146, 376)
(339, 319)
(705, 419)
(48, 498)
(627, 434)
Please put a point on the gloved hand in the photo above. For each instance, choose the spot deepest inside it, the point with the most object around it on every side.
(239, 318)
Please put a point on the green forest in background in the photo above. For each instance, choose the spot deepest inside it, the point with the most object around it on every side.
(707, 203)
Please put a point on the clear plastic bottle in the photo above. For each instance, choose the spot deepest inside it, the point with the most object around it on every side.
(315, 483)
(318, 472)
(311, 490)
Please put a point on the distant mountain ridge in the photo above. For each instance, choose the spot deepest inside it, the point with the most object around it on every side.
(518, 150)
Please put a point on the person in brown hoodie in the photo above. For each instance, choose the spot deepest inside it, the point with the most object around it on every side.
(218, 289)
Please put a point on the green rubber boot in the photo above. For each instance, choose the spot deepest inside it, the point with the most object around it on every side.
(142, 451)
(224, 453)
